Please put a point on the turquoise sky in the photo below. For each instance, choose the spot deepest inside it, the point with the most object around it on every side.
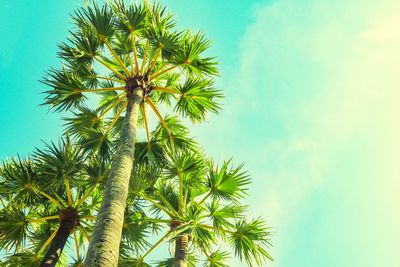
(311, 107)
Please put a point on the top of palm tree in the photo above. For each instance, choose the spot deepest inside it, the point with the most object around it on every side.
(61, 183)
(38, 195)
(116, 48)
(195, 197)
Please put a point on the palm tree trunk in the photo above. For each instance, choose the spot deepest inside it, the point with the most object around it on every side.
(57, 245)
(104, 244)
(181, 251)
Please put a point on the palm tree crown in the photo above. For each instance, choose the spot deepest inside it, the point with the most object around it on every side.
(199, 205)
(46, 201)
(116, 49)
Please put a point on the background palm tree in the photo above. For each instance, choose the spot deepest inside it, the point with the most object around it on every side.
(51, 200)
(134, 59)
(198, 204)
(47, 200)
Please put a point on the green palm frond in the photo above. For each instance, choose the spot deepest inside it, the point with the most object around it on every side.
(98, 142)
(217, 259)
(24, 258)
(159, 17)
(249, 240)
(132, 18)
(81, 50)
(18, 178)
(147, 152)
(223, 215)
(169, 80)
(85, 119)
(129, 261)
(192, 260)
(183, 163)
(122, 45)
(60, 161)
(143, 178)
(67, 90)
(135, 231)
(189, 55)
(111, 63)
(166, 195)
(107, 99)
(202, 237)
(97, 171)
(163, 42)
(227, 183)
(39, 233)
(191, 47)
(13, 228)
(101, 19)
(89, 77)
(173, 134)
(196, 98)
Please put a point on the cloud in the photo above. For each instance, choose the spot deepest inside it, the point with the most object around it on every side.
(312, 110)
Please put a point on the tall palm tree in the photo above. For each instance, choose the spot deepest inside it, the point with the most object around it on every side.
(132, 57)
(199, 205)
(46, 201)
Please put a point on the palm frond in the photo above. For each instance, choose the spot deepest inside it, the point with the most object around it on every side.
(97, 170)
(18, 178)
(132, 18)
(173, 134)
(166, 194)
(183, 163)
(227, 183)
(67, 90)
(202, 237)
(249, 240)
(80, 50)
(196, 98)
(85, 118)
(217, 259)
(101, 19)
(98, 143)
(136, 231)
(60, 161)
(223, 215)
(23, 258)
(192, 260)
(13, 228)
(149, 152)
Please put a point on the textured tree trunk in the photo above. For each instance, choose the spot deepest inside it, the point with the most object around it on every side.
(181, 251)
(104, 244)
(57, 245)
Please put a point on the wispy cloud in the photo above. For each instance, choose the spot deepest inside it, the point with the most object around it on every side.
(313, 111)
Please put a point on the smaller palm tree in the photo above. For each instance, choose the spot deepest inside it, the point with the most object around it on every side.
(199, 205)
(46, 201)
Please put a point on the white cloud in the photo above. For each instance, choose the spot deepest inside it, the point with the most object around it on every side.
(312, 111)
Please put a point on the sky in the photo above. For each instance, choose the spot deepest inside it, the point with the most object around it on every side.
(311, 108)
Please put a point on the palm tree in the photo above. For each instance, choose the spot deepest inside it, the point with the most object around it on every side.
(199, 205)
(133, 58)
(47, 200)
(53, 197)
